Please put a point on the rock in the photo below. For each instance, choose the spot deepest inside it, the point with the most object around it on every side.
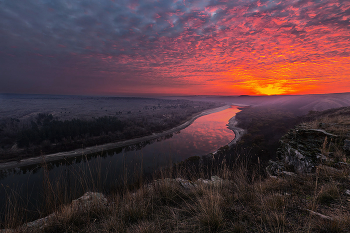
(322, 157)
(40, 223)
(300, 149)
(89, 200)
(200, 180)
(186, 184)
(290, 174)
(274, 169)
(189, 185)
(299, 162)
(214, 180)
(347, 192)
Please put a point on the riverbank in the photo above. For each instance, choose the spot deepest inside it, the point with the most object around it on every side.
(104, 147)
(239, 132)
(232, 125)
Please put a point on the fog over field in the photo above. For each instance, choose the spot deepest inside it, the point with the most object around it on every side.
(86, 107)
(298, 104)
(31, 125)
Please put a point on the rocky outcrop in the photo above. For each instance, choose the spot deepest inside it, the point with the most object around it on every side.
(301, 150)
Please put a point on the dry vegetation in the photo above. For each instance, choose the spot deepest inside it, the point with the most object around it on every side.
(336, 121)
(241, 202)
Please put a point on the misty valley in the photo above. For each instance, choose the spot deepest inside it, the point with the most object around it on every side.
(55, 149)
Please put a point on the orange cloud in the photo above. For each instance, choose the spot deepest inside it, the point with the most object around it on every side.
(201, 47)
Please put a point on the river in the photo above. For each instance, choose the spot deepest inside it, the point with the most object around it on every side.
(104, 170)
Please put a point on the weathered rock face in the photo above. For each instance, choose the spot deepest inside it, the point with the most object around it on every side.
(301, 150)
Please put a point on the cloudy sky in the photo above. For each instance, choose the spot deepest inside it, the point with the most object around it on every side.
(229, 47)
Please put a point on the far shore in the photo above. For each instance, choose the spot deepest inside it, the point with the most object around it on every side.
(239, 132)
(94, 149)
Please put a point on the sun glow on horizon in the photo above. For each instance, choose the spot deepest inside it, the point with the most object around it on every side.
(270, 89)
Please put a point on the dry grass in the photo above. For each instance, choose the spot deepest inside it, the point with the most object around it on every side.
(329, 193)
(337, 124)
(209, 210)
(238, 204)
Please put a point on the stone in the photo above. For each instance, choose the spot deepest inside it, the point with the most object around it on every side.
(274, 169)
(322, 157)
(89, 200)
(300, 163)
(39, 223)
(288, 174)
(214, 180)
(204, 181)
(347, 192)
(186, 184)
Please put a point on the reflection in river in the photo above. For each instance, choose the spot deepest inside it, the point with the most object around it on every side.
(78, 159)
(106, 169)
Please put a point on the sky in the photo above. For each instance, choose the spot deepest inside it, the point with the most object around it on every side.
(175, 47)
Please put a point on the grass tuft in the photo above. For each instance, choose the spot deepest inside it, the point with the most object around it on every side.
(328, 194)
(210, 213)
